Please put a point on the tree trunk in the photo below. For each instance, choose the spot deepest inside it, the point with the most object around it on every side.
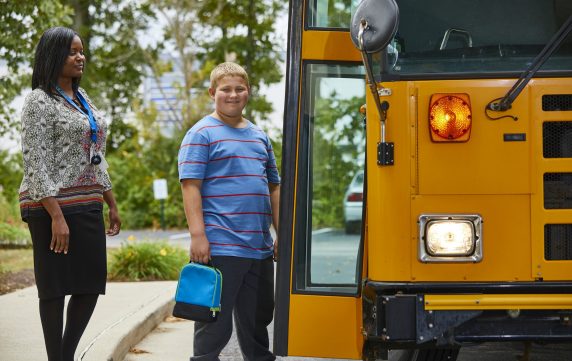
(82, 21)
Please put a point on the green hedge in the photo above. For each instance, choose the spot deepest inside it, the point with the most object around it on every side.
(147, 262)
(14, 235)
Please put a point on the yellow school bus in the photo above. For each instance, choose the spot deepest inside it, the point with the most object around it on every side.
(442, 214)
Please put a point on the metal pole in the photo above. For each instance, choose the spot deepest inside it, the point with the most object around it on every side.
(163, 214)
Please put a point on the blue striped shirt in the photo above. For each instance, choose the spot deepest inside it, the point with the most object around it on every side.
(235, 165)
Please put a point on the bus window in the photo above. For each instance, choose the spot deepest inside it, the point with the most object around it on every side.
(332, 170)
(454, 40)
(331, 13)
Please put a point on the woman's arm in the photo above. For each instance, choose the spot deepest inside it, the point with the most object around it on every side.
(38, 156)
(60, 230)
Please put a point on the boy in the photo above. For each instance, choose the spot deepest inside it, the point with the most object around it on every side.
(231, 192)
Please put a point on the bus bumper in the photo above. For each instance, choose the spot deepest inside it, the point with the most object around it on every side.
(402, 315)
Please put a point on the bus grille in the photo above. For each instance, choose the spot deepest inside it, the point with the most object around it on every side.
(557, 138)
(556, 102)
(558, 190)
(558, 242)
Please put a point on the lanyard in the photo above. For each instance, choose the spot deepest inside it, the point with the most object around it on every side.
(89, 115)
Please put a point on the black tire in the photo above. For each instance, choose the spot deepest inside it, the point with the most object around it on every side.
(349, 227)
(352, 227)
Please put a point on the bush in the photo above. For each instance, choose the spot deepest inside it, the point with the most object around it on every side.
(11, 235)
(147, 262)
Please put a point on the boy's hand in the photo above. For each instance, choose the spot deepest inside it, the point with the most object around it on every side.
(200, 249)
(276, 250)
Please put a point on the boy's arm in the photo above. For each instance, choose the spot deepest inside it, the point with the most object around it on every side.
(275, 205)
(192, 201)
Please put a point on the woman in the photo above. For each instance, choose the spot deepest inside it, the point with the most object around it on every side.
(61, 197)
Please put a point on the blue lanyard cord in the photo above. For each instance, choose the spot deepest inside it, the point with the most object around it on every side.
(89, 115)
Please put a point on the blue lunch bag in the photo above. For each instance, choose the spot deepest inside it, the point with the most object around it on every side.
(198, 293)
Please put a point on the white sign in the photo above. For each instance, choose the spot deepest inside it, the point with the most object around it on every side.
(160, 188)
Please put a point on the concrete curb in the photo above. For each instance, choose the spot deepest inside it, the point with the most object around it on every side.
(114, 342)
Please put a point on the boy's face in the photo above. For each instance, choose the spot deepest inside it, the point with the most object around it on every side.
(230, 96)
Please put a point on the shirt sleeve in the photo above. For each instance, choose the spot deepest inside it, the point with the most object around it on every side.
(271, 167)
(193, 156)
(38, 149)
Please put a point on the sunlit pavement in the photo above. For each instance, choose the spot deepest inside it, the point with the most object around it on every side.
(175, 237)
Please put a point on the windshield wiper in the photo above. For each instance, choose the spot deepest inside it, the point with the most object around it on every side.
(505, 102)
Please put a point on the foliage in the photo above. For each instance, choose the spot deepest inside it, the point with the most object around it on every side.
(14, 235)
(335, 153)
(178, 40)
(12, 230)
(10, 174)
(147, 156)
(21, 25)
(147, 262)
(110, 30)
(119, 56)
(244, 32)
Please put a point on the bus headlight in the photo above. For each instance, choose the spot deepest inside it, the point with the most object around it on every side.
(450, 238)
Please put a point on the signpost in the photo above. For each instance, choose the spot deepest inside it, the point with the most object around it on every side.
(160, 192)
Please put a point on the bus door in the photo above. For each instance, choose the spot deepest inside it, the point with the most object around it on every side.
(318, 302)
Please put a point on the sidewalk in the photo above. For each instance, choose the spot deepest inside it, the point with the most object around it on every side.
(122, 318)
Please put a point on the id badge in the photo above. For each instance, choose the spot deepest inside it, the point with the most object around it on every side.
(103, 165)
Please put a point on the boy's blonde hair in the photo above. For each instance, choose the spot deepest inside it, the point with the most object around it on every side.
(228, 69)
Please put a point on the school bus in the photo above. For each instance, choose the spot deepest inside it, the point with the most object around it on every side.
(465, 156)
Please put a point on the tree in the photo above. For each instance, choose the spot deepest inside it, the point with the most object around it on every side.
(116, 60)
(21, 25)
(337, 142)
(110, 30)
(117, 63)
(179, 41)
(245, 32)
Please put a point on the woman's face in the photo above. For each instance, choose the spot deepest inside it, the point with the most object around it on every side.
(73, 67)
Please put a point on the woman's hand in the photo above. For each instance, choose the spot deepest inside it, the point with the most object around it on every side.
(60, 235)
(114, 222)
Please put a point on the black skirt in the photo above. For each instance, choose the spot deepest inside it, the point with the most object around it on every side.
(83, 270)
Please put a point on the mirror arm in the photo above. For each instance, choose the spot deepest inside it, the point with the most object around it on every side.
(372, 84)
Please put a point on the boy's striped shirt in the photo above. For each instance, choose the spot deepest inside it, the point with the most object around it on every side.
(235, 166)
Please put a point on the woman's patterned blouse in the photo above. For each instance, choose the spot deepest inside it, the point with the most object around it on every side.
(56, 150)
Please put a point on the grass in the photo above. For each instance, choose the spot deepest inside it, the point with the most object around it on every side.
(14, 260)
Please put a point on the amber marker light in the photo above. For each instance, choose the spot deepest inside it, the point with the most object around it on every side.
(450, 117)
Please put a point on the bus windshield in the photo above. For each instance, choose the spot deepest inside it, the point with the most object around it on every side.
(475, 37)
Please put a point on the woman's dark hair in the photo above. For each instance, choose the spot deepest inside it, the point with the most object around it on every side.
(51, 54)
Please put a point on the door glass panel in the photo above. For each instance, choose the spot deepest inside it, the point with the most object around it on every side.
(331, 13)
(333, 95)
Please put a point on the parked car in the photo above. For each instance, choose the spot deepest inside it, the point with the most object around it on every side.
(353, 203)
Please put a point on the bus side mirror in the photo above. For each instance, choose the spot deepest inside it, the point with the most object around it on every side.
(380, 19)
